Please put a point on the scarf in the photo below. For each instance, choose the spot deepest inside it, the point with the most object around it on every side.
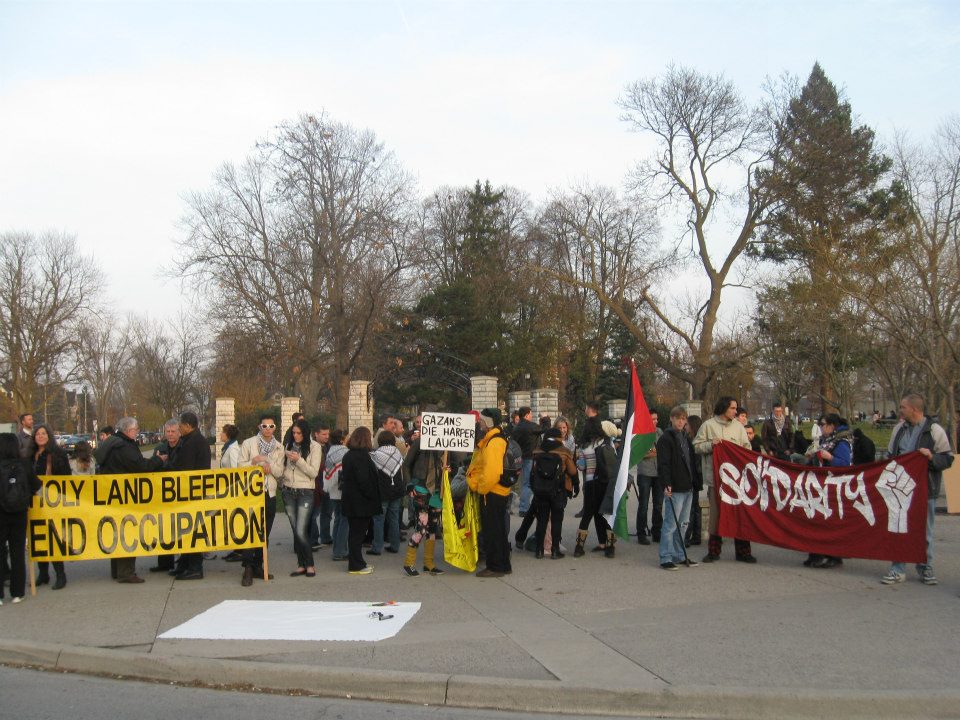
(388, 459)
(778, 423)
(266, 447)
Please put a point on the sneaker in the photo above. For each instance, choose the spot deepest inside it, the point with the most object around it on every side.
(433, 570)
(17, 600)
(643, 539)
(746, 559)
(669, 566)
(690, 563)
(362, 571)
(927, 577)
(893, 577)
(316, 547)
(410, 571)
(710, 557)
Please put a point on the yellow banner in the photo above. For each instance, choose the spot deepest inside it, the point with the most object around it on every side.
(89, 517)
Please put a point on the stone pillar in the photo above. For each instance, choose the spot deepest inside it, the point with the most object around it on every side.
(483, 392)
(288, 406)
(224, 414)
(693, 407)
(544, 401)
(360, 406)
(616, 409)
(518, 400)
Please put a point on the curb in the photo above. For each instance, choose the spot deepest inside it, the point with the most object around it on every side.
(467, 691)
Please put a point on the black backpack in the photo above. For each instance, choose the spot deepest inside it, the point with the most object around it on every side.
(606, 463)
(512, 462)
(864, 450)
(391, 486)
(15, 493)
(546, 476)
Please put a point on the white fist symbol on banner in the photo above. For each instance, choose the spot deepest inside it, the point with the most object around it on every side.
(896, 488)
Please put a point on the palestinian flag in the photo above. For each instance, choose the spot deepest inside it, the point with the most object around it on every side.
(639, 435)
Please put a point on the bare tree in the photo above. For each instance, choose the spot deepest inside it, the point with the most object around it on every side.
(602, 250)
(706, 135)
(167, 361)
(305, 243)
(104, 356)
(915, 300)
(45, 282)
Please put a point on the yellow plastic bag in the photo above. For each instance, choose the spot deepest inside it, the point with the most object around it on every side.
(460, 539)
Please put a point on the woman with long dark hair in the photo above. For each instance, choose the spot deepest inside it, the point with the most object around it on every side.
(301, 465)
(49, 459)
(361, 496)
(13, 519)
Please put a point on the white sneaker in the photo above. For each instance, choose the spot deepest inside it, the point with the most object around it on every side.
(893, 577)
(17, 600)
(926, 577)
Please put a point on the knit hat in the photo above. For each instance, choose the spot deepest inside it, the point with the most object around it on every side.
(552, 438)
(609, 429)
(491, 417)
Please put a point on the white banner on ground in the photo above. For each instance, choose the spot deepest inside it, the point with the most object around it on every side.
(296, 620)
(447, 431)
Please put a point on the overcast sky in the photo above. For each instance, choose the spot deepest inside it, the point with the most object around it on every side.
(111, 112)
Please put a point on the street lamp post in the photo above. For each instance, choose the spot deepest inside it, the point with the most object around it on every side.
(873, 396)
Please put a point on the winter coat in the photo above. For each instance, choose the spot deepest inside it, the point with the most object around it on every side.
(360, 484)
(119, 455)
(716, 428)
(194, 453)
(250, 448)
(302, 474)
(933, 438)
(230, 456)
(486, 469)
(780, 445)
(332, 469)
(673, 469)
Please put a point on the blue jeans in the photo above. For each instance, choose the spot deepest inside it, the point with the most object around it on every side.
(298, 504)
(931, 511)
(671, 537)
(526, 494)
(340, 529)
(391, 517)
(320, 522)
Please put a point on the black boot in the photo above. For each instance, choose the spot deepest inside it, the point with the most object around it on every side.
(61, 580)
(43, 574)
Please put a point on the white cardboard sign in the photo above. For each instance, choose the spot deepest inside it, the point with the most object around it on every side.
(447, 431)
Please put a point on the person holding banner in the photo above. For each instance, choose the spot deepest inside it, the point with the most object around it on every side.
(836, 450)
(301, 465)
(119, 454)
(194, 454)
(13, 511)
(722, 426)
(263, 450)
(917, 431)
(49, 459)
(389, 464)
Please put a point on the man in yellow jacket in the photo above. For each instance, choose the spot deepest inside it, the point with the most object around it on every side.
(483, 477)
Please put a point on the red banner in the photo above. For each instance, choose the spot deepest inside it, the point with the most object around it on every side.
(876, 511)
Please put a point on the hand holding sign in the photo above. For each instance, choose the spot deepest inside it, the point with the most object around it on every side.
(896, 488)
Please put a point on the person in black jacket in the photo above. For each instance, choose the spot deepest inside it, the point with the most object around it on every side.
(48, 459)
(527, 435)
(119, 454)
(194, 454)
(13, 525)
(361, 496)
(677, 469)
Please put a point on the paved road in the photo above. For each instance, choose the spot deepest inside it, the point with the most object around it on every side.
(54, 696)
(624, 623)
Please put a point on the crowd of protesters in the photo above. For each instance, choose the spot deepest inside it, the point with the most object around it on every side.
(367, 492)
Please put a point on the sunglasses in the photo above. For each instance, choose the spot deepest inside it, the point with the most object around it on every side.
(264, 426)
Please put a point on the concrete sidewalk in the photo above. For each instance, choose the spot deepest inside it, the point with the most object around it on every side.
(614, 636)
